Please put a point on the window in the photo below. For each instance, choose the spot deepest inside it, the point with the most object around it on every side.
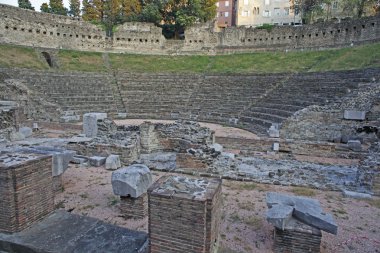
(245, 13)
(266, 13)
(245, 2)
(226, 14)
(277, 11)
(226, 3)
(286, 11)
(266, 2)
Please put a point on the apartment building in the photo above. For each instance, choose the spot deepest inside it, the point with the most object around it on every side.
(259, 12)
(226, 13)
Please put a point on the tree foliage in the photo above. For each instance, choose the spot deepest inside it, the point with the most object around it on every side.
(25, 4)
(74, 8)
(56, 7)
(45, 8)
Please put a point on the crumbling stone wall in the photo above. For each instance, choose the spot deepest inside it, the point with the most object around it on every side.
(326, 123)
(30, 28)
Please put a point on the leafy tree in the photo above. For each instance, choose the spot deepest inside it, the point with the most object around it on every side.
(45, 8)
(25, 4)
(359, 8)
(130, 9)
(151, 13)
(90, 12)
(307, 8)
(56, 7)
(74, 8)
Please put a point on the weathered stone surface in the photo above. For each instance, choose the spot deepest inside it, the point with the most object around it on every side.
(97, 161)
(16, 136)
(79, 159)
(273, 132)
(113, 162)
(90, 126)
(69, 118)
(217, 147)
(306, 210)
(228, 155)
(354, 145)
(26, 131)
(313, 215)
(61, 158)
(160, 160)
(356, 195)
(279, 215)
(131, 181)
(354, 115)
(63, 232)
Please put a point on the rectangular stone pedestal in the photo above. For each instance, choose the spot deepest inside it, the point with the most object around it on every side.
(136, 208)
(184, 215)
(26, 193)
(297, 238)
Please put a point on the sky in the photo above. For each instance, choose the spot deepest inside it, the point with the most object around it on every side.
(36, 3)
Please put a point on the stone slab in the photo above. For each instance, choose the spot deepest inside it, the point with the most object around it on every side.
(306, 210)
(356, 195)
(97, 161)
(276, 146)
(160, 160)
(131, 181)
(113, 162)
(354, 145)
(354, 115)
(63, 232)
(26, 131)
(279, 215)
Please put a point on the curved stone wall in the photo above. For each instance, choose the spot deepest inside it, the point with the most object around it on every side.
(252, 102)
(30, 28)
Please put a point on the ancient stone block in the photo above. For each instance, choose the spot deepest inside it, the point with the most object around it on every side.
(354, 115)
(356, 195)
(186, 212)
(97, 161)
(276, 146)
(306, 210)
(113, 162)
(273, 132)
(131, 181)
(279, 215)
(354, 145)
(26, 193)
(26, 131)
(90, 123)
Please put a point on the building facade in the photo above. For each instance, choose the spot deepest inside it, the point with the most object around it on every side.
(226, 13)
(259, 12)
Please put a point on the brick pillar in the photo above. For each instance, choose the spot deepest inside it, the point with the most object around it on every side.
(136, 208)
(184, 215)
(26, 192)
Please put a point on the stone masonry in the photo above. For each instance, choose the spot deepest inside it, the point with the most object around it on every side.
(31, 28)
(26, 194)
(184, 215)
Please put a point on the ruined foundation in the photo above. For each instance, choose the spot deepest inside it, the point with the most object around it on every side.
(26, 194)
(184, 215)
(58, 183)
(136, 208)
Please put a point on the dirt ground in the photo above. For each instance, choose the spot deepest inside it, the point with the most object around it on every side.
(88, 191)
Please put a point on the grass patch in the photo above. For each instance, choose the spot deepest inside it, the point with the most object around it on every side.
(241, 186)
(113, 200)
(249, 206)
(301, 191)
(253, 221)
(20, 57)
(81, 61)
(374, 202)
(357, 57)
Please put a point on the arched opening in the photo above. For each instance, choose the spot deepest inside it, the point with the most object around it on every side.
(47, 57)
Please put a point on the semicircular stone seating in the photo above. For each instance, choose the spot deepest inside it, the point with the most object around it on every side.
(252, 102)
